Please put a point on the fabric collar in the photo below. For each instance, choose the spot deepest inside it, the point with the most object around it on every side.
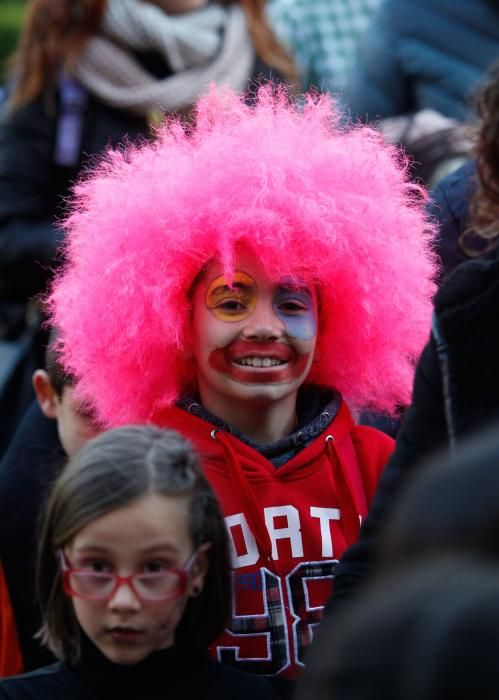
(316, 408)
(151, 677)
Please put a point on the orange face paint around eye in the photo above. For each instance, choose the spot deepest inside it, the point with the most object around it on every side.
(232, 302)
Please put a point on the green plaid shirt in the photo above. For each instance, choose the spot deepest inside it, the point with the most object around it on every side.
(322, 36)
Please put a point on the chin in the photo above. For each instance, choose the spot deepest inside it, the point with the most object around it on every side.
(124, 657)
(262, 394)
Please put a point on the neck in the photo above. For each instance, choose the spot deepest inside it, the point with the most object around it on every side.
(263, 422)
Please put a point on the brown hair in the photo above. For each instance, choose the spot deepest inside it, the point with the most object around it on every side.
(485, 204)
(53, 35)
(267, 45)
(55, 32)
(110, 471)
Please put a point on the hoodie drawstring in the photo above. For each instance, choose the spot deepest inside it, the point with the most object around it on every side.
(243, 488)
(349, 522)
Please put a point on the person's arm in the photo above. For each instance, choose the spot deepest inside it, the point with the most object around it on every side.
(424, 430)
(449, 205)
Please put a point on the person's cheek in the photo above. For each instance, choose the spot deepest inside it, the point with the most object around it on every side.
(302, 327)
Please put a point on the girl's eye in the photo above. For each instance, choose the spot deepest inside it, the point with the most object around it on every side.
(156, 566)
(96, 565)
(292, 307)
(233, 305)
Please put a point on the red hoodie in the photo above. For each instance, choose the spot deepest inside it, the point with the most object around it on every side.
(288, 526)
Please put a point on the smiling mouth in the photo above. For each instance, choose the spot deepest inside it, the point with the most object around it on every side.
(260, 362)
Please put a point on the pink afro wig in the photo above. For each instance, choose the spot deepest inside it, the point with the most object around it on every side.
(331, 206)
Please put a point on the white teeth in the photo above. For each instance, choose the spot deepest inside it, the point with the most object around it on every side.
(260, 361)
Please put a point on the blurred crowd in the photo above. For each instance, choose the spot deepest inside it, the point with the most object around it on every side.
(197, 197)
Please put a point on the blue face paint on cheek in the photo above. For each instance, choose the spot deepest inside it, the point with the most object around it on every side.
(296, 309)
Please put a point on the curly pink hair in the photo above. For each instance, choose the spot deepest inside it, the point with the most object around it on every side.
(327, 204)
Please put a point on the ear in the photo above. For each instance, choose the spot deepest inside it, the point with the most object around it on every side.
(199, 570)
(45, 393)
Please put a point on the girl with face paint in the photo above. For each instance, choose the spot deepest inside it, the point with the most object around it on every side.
(261, 270)
(254, 342)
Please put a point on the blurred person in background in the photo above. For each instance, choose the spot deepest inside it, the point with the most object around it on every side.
(322, 36)
(457, 383)
(416, 72)
(55, 425)
(425, 55)
(460, 493)
(469, 222)
(88, 73)
(427, 631)
(426, 625)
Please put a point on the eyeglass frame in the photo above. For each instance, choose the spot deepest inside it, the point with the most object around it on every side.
(67, 570)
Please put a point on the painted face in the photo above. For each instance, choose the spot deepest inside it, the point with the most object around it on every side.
(147, 535)
(254, 339)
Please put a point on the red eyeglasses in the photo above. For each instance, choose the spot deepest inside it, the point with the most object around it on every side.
(94, 585)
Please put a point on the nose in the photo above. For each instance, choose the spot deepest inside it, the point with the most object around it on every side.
(124, 599)
(263, 323)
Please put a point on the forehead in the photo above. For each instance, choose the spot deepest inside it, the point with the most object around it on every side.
(252, 266)
(133, 526)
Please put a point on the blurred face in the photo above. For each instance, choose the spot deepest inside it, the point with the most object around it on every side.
(148, 535)
(254, 339)
(74, 425)
(176, 7)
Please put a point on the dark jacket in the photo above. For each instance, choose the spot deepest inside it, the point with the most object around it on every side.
(169, 673)
(425, 54)
(455, 393)
(34, 186)
(27, 469)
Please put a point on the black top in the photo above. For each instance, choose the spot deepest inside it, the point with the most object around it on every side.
(169, 673)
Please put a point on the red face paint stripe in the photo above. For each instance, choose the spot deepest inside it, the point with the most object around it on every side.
(294, 368)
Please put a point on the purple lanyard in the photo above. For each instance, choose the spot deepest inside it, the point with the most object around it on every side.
(73, 100)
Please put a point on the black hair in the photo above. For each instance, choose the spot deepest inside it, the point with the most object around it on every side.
(59, 378)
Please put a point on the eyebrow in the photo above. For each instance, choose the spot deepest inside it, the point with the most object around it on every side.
(293, 289)
(237, 285)
(98, 549)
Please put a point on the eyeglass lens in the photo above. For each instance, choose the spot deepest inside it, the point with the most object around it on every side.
(149, 586)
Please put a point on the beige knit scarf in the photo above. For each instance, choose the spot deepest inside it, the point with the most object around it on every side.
(208, 45)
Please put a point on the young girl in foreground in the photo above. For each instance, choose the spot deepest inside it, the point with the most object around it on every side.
(133, 577)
